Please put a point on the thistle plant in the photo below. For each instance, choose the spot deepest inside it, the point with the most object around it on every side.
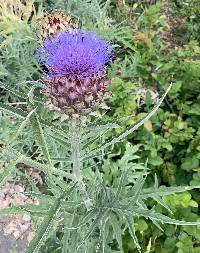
(75, 63)
(90, 213)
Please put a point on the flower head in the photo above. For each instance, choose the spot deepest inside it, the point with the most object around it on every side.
(76, 55)
(54, 22)
(76, 63)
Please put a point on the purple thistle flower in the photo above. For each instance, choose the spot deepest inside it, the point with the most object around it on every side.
(76, 55)
(76, 64)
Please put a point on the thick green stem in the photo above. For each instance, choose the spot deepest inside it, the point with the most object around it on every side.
(75, 148)
(76, 161)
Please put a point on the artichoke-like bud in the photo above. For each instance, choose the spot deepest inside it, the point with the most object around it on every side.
(55, 22)
(73, 96)
(76, 78)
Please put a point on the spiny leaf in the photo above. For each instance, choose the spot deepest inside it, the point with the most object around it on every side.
(44, 199)
(44, 229)
(117, 230)
(10, 109)
(128, 130)
(31, 181)
(163, 191)
(21, 94)
(58, 182)
(92, 226)
(156, 224)
(131, 227)
(42, 167)
(32, 163)
(149, 214)
(162, 218)
(13, 91)
(94, 130)
(122, 183)
(22, 126)
(31, 96)
(59, 139)
(39, 134)
(57, 130)
(85, 220)
(21, 114)
(6, 172)
(134, 127)
(68, 221)
(104, 232)
(27, 208)
(161, 202)
(137, 188)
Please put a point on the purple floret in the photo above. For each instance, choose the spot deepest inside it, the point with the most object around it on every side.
(75, 55)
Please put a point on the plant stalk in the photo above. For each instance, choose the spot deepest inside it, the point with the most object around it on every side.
(76, 161)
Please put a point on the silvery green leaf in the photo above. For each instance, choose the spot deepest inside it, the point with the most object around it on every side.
(131, 227)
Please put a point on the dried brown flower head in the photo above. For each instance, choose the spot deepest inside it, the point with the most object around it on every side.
(54, 22)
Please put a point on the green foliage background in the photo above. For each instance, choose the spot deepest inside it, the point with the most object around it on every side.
(155, 43)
